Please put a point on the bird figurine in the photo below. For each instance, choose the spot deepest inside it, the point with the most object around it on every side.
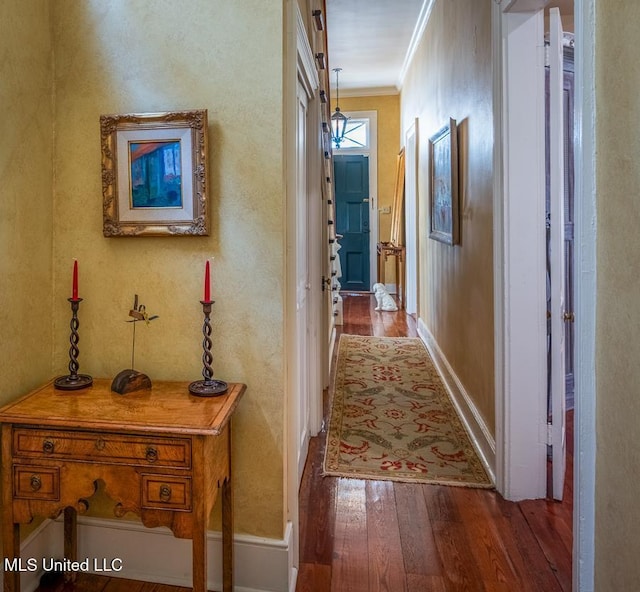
(130, 380)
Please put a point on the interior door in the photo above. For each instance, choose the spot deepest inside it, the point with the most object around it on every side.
(557, 252)
(351, 174)
(569, 209)
(301, 414)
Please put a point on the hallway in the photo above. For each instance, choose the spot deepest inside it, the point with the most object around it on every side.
(363, 535)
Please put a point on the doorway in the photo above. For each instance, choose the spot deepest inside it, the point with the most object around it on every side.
(351, 183)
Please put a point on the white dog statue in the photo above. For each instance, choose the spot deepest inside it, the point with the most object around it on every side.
(384, 301)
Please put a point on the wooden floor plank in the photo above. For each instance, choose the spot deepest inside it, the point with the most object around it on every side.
(440, 503)
(524, 544)
(461, 570)
(350, 567)
(501, 570)
(150, 587)
(386, 564)
(422, 583)
(550, 531)
(123, 585)
(313, 577)
(418, 545)
(317, 535)
(84, 583)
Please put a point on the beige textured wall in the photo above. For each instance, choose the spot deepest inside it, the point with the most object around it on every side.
(451, 76)
(157, 55)
(618, 294)
(26, 129)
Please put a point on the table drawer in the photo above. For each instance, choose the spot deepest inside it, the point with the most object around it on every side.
(102, 447)
(33, 482)
(166, 492)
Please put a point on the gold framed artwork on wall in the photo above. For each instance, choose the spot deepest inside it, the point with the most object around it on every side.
(397, 209)
(444, 215)
(154, 174)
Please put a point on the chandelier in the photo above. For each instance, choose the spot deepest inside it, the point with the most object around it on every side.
(338, 119)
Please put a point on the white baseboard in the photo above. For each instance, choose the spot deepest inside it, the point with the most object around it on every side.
(38, 544)
(155, 555)
(391, 288)
(338, 308)
(481, 437)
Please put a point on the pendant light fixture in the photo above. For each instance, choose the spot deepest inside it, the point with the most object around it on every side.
(338, 119)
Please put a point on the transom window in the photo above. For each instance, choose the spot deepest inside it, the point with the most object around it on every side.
(357, 135)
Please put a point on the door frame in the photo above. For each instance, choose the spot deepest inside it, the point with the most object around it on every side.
(343, 200)
(372, 153)
(585, 260)
(412, 159)
(513, 48)
(300, 67)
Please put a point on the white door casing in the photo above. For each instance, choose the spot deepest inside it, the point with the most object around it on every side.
(519, 254)
(411, 218)
(372, 153)
(303, 374)
(505, 69)
(557, 251)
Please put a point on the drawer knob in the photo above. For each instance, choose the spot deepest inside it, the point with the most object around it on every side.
(100, 444)
(151, 454)
(35, 482)
(165, 493)
(48, 447)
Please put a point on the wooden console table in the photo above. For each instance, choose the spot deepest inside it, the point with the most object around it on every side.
(386, 250)
(162, 453)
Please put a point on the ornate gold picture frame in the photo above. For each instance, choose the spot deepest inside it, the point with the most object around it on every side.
(397, 209)
(444, 215)
(154, 174)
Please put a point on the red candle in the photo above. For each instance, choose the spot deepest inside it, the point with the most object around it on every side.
(207, 283)
(74, 291)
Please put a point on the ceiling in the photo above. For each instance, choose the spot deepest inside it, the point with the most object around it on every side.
(372, 40)
(369, 40)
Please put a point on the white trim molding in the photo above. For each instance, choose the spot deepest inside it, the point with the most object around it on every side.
(472, 419)
(306, 66)
(519, 255)
(37, 545)
(416, 37)
(155, 555)
(372, 91)
(584, 458)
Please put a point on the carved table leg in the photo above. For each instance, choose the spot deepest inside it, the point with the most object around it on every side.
(200, 517)
(10, 531)
(70, 540)
(11, 543)
(227, 536)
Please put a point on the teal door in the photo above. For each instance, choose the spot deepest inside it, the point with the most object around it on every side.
(351, 178)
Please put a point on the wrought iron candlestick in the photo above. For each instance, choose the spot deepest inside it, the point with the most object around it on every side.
(74, 381)
(209, 387)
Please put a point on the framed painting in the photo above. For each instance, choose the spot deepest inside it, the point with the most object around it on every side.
(397, 210)
(444, 215)
(154, 174)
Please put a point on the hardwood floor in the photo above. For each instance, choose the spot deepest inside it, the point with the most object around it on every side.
(365, 536)
(375, 536)
(91, 583)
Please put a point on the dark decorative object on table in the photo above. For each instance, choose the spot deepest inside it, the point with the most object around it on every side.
(209, 387)
(129, 380)
(74, 381)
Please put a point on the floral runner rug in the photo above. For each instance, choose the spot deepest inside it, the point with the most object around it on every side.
(392, 419)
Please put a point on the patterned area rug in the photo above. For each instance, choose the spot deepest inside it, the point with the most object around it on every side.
(392, 419)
